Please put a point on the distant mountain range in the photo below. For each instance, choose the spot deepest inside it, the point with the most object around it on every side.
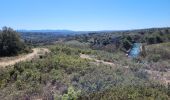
(83, 32)
(46, 31)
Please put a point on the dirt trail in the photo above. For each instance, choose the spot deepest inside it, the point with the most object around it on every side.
(13, 60)
(96, 60)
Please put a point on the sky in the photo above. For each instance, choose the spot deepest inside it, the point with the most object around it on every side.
(84, 15)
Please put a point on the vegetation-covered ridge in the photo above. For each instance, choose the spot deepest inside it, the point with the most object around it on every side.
(123, 40)
(80, 68)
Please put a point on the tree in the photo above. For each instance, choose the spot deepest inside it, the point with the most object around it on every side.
(126, 44)
(159, 39)
(10, 42)
(151, 40)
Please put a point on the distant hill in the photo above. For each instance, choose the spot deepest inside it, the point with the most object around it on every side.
(44, 36)
(48, 31)
(113, 40)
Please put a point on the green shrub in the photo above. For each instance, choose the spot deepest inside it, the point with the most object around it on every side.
(154, 57)
(71, 94)
(19, 84)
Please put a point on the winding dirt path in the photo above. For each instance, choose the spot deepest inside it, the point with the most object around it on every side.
(8, 61)
(84, 56)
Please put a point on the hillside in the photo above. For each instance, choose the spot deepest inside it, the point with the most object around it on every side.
(85, 50)
(77, 68)
(116, 40)
(65, 69)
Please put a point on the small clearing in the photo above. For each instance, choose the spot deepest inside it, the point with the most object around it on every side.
(9, 61)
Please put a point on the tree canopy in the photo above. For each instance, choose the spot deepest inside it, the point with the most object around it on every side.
(10, 42)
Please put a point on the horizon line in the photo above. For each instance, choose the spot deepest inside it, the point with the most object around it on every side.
(130, 29)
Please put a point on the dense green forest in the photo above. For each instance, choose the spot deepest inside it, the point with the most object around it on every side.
(63, 74)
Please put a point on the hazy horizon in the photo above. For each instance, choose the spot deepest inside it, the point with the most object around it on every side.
(85, 30)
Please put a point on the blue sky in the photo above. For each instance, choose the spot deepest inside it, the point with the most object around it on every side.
(84, 15)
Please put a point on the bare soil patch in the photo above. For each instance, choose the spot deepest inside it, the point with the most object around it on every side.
(96, 60)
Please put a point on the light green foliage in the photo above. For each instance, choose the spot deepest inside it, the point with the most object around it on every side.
(71, 94)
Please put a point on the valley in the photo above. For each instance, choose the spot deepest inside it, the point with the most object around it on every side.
(93, 68)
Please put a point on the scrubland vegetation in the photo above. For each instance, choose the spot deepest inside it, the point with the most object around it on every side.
(64, 75)
(112, 41)
(51, 76)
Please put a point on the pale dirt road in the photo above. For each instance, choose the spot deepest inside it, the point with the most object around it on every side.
(96, 60)
(13, 60)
